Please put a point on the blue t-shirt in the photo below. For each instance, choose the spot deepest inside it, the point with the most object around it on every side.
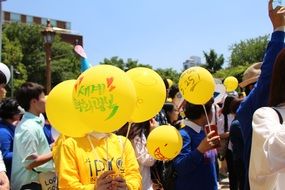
(6, 144)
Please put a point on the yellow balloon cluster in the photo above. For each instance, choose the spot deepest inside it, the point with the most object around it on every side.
(61, 113)
(164, 143)
(150, 91)
(231, 83)
(196, 85)
(104, 97)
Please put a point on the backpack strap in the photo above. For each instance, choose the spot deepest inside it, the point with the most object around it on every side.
(279, 115)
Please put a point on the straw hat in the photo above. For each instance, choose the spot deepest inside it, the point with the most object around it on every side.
(251, 74)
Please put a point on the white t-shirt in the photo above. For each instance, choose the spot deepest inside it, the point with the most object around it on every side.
(2, 164)
(267, 160)
(145, 161)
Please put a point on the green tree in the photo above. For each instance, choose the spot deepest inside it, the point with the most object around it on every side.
(169, 73)
(248, 51)
(23, 48)
(232, 71)
(119, 62)
(130, 63)
(213, 61)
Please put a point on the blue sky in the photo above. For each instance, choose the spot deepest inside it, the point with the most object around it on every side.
(162, 33)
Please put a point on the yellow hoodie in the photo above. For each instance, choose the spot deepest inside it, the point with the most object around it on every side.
(78, 166)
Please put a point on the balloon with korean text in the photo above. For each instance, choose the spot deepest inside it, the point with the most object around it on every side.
(164, 142)
(61, 113)
(104, 97)
(196, 85)
(150, 91)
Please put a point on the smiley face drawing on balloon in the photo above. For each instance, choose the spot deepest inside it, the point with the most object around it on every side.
(164, 143)
(159, 155)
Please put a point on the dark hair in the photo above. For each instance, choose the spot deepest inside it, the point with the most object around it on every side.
(168, 107)
(166, 83)
(137, 129)
(173, 91)
(235, 104)
(227, 104)
(3, 79)
(8, 108)
(45, 115)
(193, 112)
(27, 92)
(277, 88)
(248, 88)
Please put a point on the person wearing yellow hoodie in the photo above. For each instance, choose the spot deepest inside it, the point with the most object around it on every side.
(96, 161)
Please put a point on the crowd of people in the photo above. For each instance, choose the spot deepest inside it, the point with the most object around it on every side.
(246, 142)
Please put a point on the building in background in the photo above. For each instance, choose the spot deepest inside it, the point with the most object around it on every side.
(191, 62)
(61, 27)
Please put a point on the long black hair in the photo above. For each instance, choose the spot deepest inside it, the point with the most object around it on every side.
(137, 129)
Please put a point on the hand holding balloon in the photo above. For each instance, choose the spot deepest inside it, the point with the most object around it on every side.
(209, 142)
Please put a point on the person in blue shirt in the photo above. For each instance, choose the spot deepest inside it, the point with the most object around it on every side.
(259, 95)
(4, 79)
(195, 165)
(10, 114)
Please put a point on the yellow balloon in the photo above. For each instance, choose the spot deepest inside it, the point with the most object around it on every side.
(196, 85)
(151, 93)
(104, 97)
(164, 142)
(170, 82)
(231, 83)
(61, 113)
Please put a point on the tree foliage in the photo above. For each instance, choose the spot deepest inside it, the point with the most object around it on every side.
(168, 73)
(119, 62)
(248, 51)
(213, 61)
(24, 49)
(233, 71)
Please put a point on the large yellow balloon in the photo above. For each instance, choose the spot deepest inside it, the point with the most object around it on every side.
(197, 85)
(61, 112)
(164, 142)
(151, 93)
(231, 83)
(104, 97)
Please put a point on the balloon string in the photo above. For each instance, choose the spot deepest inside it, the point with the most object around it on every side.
(207, 117)
(127, 135)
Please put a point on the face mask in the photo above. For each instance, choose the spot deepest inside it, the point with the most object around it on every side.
(99, 136)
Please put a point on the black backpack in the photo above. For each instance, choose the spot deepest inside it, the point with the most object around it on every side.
(168, 175)
(165, 173)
